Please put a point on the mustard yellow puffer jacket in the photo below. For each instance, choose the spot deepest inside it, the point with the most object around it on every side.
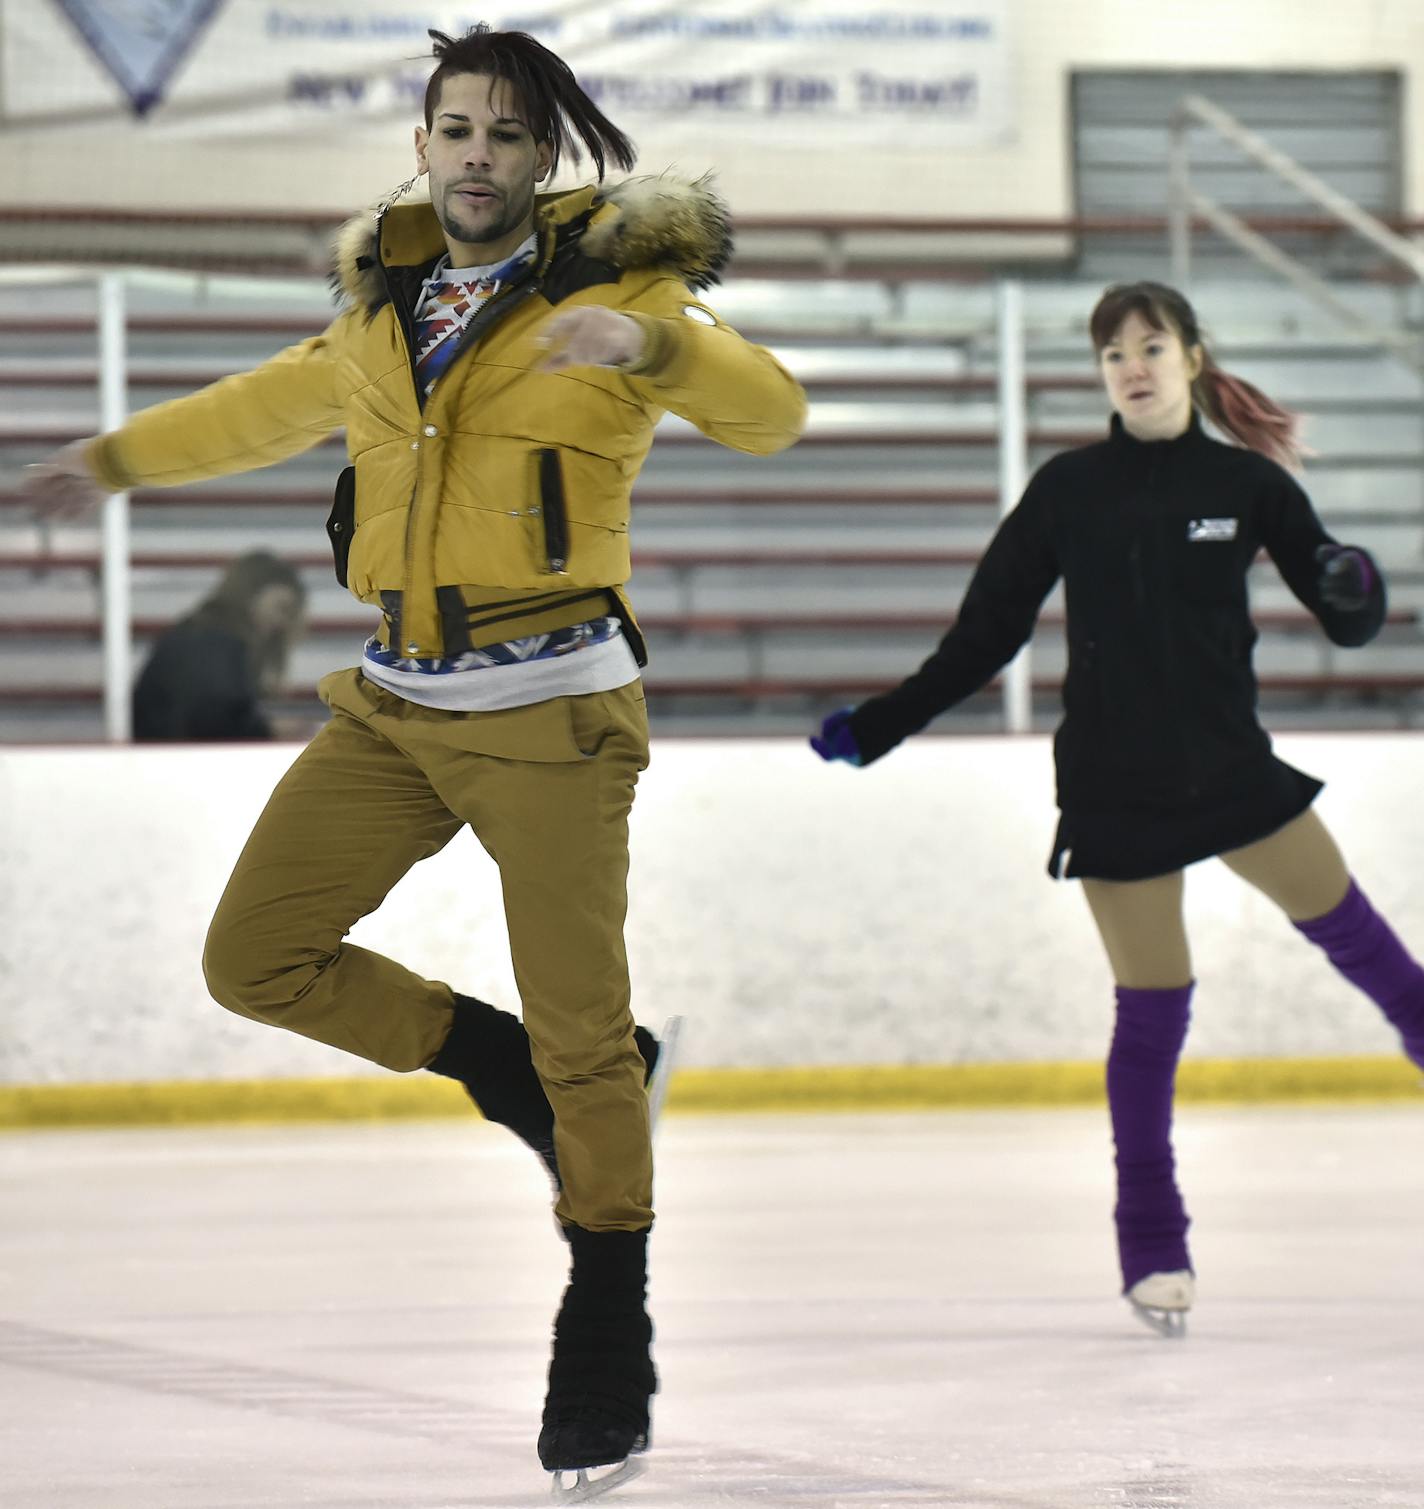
(508, 479)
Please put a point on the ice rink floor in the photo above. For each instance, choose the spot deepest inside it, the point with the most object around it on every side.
(852, 1311)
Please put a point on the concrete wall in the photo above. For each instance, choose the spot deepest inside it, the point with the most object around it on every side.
(797, 913)
(1028, 176)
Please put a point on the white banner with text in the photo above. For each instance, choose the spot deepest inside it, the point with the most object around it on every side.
(826, 75)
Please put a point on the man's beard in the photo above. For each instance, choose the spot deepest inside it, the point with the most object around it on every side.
(511, 218)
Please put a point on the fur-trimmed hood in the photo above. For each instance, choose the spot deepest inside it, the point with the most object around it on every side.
(653, 221)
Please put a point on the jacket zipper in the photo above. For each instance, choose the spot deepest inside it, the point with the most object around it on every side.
(497, 307)
(1165, 552)
(553, 511)
(407, 572)
(501, 303)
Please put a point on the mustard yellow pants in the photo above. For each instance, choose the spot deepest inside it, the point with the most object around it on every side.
(547, 790)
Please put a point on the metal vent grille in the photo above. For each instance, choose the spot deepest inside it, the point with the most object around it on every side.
(1344, 126)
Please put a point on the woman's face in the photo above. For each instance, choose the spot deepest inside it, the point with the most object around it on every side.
(278, 609)
(1148, 375)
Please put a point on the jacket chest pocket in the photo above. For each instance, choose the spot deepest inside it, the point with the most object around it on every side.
(341, 522)
(1208, 557)
(547, 516)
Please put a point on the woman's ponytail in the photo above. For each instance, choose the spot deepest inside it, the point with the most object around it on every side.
(1240, 409)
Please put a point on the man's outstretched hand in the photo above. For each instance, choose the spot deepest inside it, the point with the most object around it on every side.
(591, 336)
(62, 486)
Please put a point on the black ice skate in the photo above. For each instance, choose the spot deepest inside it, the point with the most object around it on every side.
(601, 1376)
(488, 1052)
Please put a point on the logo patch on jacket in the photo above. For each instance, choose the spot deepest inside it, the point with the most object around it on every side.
(1206, 530)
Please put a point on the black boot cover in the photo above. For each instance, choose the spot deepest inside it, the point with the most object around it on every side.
(601, 1377)
(488, 1052)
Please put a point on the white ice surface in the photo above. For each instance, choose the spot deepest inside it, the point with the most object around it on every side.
(852, 1311)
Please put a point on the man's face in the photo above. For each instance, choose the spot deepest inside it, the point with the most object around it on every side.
(483, 165)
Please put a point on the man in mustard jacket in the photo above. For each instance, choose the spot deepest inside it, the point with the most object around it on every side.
(499, 366)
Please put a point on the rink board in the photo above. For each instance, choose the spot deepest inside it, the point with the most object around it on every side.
(885, 937)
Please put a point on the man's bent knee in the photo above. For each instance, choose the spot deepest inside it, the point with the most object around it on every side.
(247, 978)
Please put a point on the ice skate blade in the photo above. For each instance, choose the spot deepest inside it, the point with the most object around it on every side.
(583, 1488)
(1170, 1323)
(662, 1072)
(1161, 1301)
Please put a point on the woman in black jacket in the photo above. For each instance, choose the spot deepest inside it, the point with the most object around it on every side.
(1160, 759)
(208, 674)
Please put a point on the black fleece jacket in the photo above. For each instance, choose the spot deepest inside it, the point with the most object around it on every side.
(1153, 541)
(198, 685)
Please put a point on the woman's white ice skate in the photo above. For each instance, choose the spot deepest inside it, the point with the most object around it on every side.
(1161, 1301)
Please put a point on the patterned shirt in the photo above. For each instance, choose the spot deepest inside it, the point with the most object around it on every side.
(586, 657)
(449, 299)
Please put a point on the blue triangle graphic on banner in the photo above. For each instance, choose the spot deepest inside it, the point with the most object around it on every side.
(140, 42)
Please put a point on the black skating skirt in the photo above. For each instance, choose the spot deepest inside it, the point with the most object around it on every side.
(1136, 842)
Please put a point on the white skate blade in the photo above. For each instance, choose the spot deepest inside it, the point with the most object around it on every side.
(668, 1041)
(1161, 1301)
(583, 1487)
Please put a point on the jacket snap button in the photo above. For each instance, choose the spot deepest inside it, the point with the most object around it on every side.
(431, 430)
(415, 445)
(411, 648)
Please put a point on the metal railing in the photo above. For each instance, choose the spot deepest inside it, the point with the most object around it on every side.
(111, 333)
(269, 243)
(116, 582)
(112, 324)
(1185, 204)
(1013, 473)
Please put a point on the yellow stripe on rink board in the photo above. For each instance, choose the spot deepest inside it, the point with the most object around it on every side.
(196, 1102)
(951, 1086)
(884, 1088)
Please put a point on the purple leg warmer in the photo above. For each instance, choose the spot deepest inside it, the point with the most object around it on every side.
(1142, 1066)
(1362, 946)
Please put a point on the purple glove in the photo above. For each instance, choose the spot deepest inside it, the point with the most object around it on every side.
(1347, 579)
(835, 740)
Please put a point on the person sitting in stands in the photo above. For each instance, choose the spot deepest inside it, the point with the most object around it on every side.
(207, 674)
